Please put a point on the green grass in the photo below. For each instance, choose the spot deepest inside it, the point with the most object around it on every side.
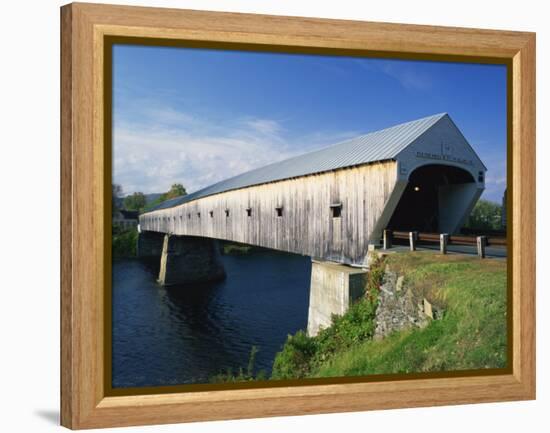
(470, 335)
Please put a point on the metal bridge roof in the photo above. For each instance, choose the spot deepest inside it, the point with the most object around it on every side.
(380, 145)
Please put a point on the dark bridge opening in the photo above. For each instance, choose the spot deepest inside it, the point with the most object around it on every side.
(419, 206)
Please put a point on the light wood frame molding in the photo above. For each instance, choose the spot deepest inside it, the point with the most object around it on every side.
(84, 28)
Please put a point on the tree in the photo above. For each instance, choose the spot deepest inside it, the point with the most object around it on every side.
(486, 215)
(135, 201)
(176, 190)
(116, 193)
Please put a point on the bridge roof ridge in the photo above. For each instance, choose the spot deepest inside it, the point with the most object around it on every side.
(381, 145)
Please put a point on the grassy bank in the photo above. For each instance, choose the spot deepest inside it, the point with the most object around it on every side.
(470, 335)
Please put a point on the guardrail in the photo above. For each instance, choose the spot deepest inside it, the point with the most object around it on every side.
(444, 239)
(501, 233)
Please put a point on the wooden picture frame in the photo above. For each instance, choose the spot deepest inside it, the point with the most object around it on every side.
(86, 30)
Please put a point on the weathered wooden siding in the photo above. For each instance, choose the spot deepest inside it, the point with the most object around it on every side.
(306, 226)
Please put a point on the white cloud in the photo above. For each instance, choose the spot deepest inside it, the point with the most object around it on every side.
(406, 75)
(169, 146)
(168, 116)
(264, 126)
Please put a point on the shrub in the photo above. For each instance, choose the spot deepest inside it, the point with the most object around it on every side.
(355, 326)
(301, 354)
(124, 242)
(294, 360)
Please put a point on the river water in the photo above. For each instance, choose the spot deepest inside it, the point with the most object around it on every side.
(183, 335)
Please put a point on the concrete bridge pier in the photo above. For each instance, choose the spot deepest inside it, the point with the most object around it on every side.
(189, 259)
(333, 289)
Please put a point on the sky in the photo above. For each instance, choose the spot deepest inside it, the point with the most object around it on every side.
(195, 116)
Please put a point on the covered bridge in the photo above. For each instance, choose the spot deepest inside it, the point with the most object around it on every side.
(332, 203)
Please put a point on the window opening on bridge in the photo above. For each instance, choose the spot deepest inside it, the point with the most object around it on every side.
(279, 210)
(189, 216)
(227, 213)
(248, 211)
(199, 214)
(211, 214)
(336, 209)
(480, 176)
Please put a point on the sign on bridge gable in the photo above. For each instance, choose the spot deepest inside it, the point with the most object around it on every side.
(441, 144)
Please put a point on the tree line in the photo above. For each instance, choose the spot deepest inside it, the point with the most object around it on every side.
(138, 200)
(486, 215)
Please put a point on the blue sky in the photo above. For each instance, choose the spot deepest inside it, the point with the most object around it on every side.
(200, 116)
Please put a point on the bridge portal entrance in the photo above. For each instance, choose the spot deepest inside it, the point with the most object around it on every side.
(436, 199)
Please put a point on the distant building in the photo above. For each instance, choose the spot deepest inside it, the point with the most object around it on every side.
(126, 218)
